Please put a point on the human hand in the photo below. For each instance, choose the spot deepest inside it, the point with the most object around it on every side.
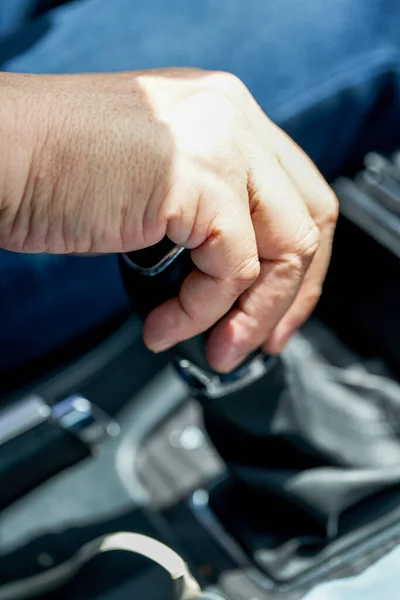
(121, 160)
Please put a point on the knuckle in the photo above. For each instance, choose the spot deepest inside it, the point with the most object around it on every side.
(312, 297)
(330, 213)
(309, 244)
(193, 308)
(247, 271)
(333, 209)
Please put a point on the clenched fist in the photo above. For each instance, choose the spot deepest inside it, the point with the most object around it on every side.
(114, 162)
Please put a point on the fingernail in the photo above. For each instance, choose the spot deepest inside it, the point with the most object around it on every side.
(160, 346)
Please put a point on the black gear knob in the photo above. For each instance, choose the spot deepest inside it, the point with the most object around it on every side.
(153, 276)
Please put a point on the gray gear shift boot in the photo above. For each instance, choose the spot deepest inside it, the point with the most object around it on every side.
(314, 454)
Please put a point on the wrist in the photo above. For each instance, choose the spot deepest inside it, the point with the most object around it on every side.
(18, 140)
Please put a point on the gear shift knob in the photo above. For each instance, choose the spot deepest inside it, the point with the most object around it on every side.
(153, 276)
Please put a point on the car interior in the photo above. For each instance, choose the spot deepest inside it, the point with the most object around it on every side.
(256, 485)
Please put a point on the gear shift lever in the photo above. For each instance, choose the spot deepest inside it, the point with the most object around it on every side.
(310, 471)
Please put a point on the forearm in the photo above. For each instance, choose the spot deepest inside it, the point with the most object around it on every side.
(76, 153)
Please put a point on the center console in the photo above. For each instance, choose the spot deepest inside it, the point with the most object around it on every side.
(267, 481)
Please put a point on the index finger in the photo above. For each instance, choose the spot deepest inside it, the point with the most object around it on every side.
(227, 264)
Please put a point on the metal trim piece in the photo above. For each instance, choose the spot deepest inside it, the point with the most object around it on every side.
(74, 414)
(84, 420)
(158, 267)
(203, 383)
